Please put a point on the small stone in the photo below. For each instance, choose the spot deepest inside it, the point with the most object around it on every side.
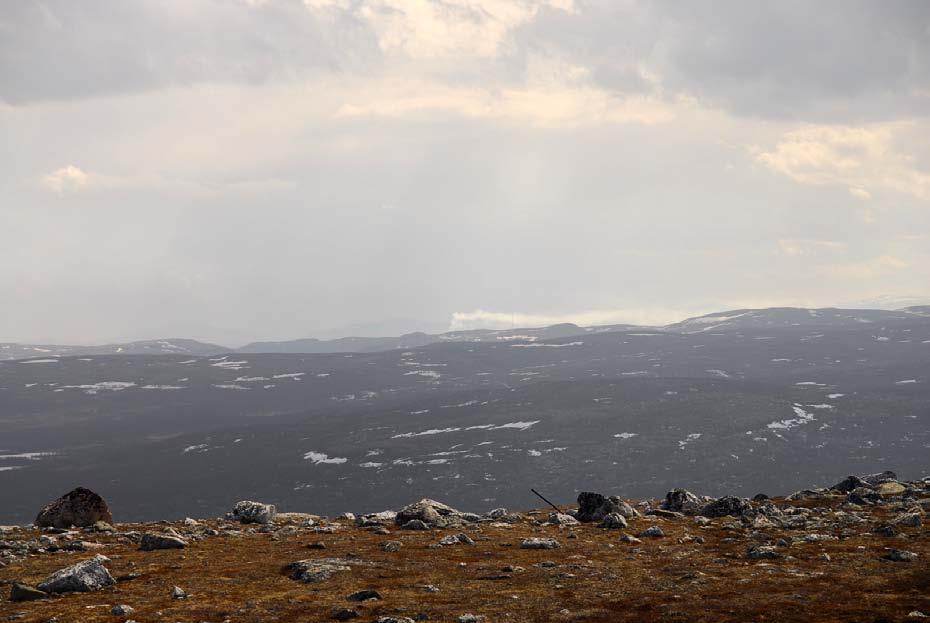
(763, 552)
(415, 524)
(317, 545)
(632, 540)
(366, 595)
(179, 593)
(614, 521)
(345, 614)
(471, 618)
(391, 546)
(121, 610)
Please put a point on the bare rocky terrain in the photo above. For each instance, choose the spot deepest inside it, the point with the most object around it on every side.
(857, 551)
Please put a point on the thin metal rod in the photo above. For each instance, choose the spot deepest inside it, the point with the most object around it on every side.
(546, 501)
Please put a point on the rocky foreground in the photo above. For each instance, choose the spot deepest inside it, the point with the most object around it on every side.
(858, 551)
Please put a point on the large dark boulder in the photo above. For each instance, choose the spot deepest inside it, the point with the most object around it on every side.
(80, 507)
(595, 507)
(727, 505)
(849, 483)
(681, 501)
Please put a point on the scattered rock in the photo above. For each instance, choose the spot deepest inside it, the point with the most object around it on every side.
(122, 610)
(366, 595)
(315, 570)
(345, 614)
(561, 519)
(415, 524)
(87, 575)
(471, 618)
(681, 501)
(849, 483)
(455, 539)
(430, 512)
(763, 552)
(909, 520)
(80, 507)
(152, 542)
(727, 505)
(594, 507)
(394, 620)
(874, 480)
(632, 540)
(614, 521)
(896, 555)
(24, 592)
(248, 511)
(538, 543)
(651, 532)
(179, 593)
(391, 546)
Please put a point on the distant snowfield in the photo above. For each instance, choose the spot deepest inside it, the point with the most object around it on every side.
(108, 386)
(454, 429)
(540, 345)
(40, 361)
(626, 435)
(803, 417)
(319, 458)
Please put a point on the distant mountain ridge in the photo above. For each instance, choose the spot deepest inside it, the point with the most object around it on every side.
(740, 319)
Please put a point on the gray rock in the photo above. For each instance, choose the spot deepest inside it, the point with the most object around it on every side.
(121, 610)
(471, 618)
(391, 546)
(849, 483)
(386, 619)
(434, 514)
(895, 555)
(681, 501)
(632, 540)
(873, 480)
(24, 592)
(455, 539)
(594, 507)
(538, 543)
(415, 524)
(315, 570)
(727, 505)
(561, 519)
(152, 542)
(909, 520)
(763, 552)
(366, 595)
(79, 507)
(613, 521)
(345, 614)
(179, 593)
(248, 511)
(652, 532)
(87, 575)
(375, 519)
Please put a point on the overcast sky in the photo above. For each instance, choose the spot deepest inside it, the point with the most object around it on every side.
(233, 170)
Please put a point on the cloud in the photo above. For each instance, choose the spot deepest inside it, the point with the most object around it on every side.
(866, 269)
(66, 179)
(861, 158)
(795, 248)
(483, 319)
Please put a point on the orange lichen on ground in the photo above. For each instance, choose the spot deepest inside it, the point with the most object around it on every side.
(592, 577)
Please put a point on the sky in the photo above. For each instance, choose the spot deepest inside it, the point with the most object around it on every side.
(237, 170)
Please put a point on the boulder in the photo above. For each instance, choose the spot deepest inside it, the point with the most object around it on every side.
(561, 519)
(873, 480)
(727, 505)
(901, 555)
(763, 552)
(152, 542)
(594, 507)
(248, 511)
(434, 514)
(653, 532)
(85, 576)
(681, 501)
(80, 507)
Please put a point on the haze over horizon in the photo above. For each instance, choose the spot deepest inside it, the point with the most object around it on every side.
(239, 170)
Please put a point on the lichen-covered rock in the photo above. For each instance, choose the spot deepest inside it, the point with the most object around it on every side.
(614, 521)
(248, 511)
(594, 507)
(561, 519)
(434, 514)
(537, 543)
(727, 505)
(901, 555)
(79, 507)
(316, 570)
(763, 552)
(681, 501)
(85, 576)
